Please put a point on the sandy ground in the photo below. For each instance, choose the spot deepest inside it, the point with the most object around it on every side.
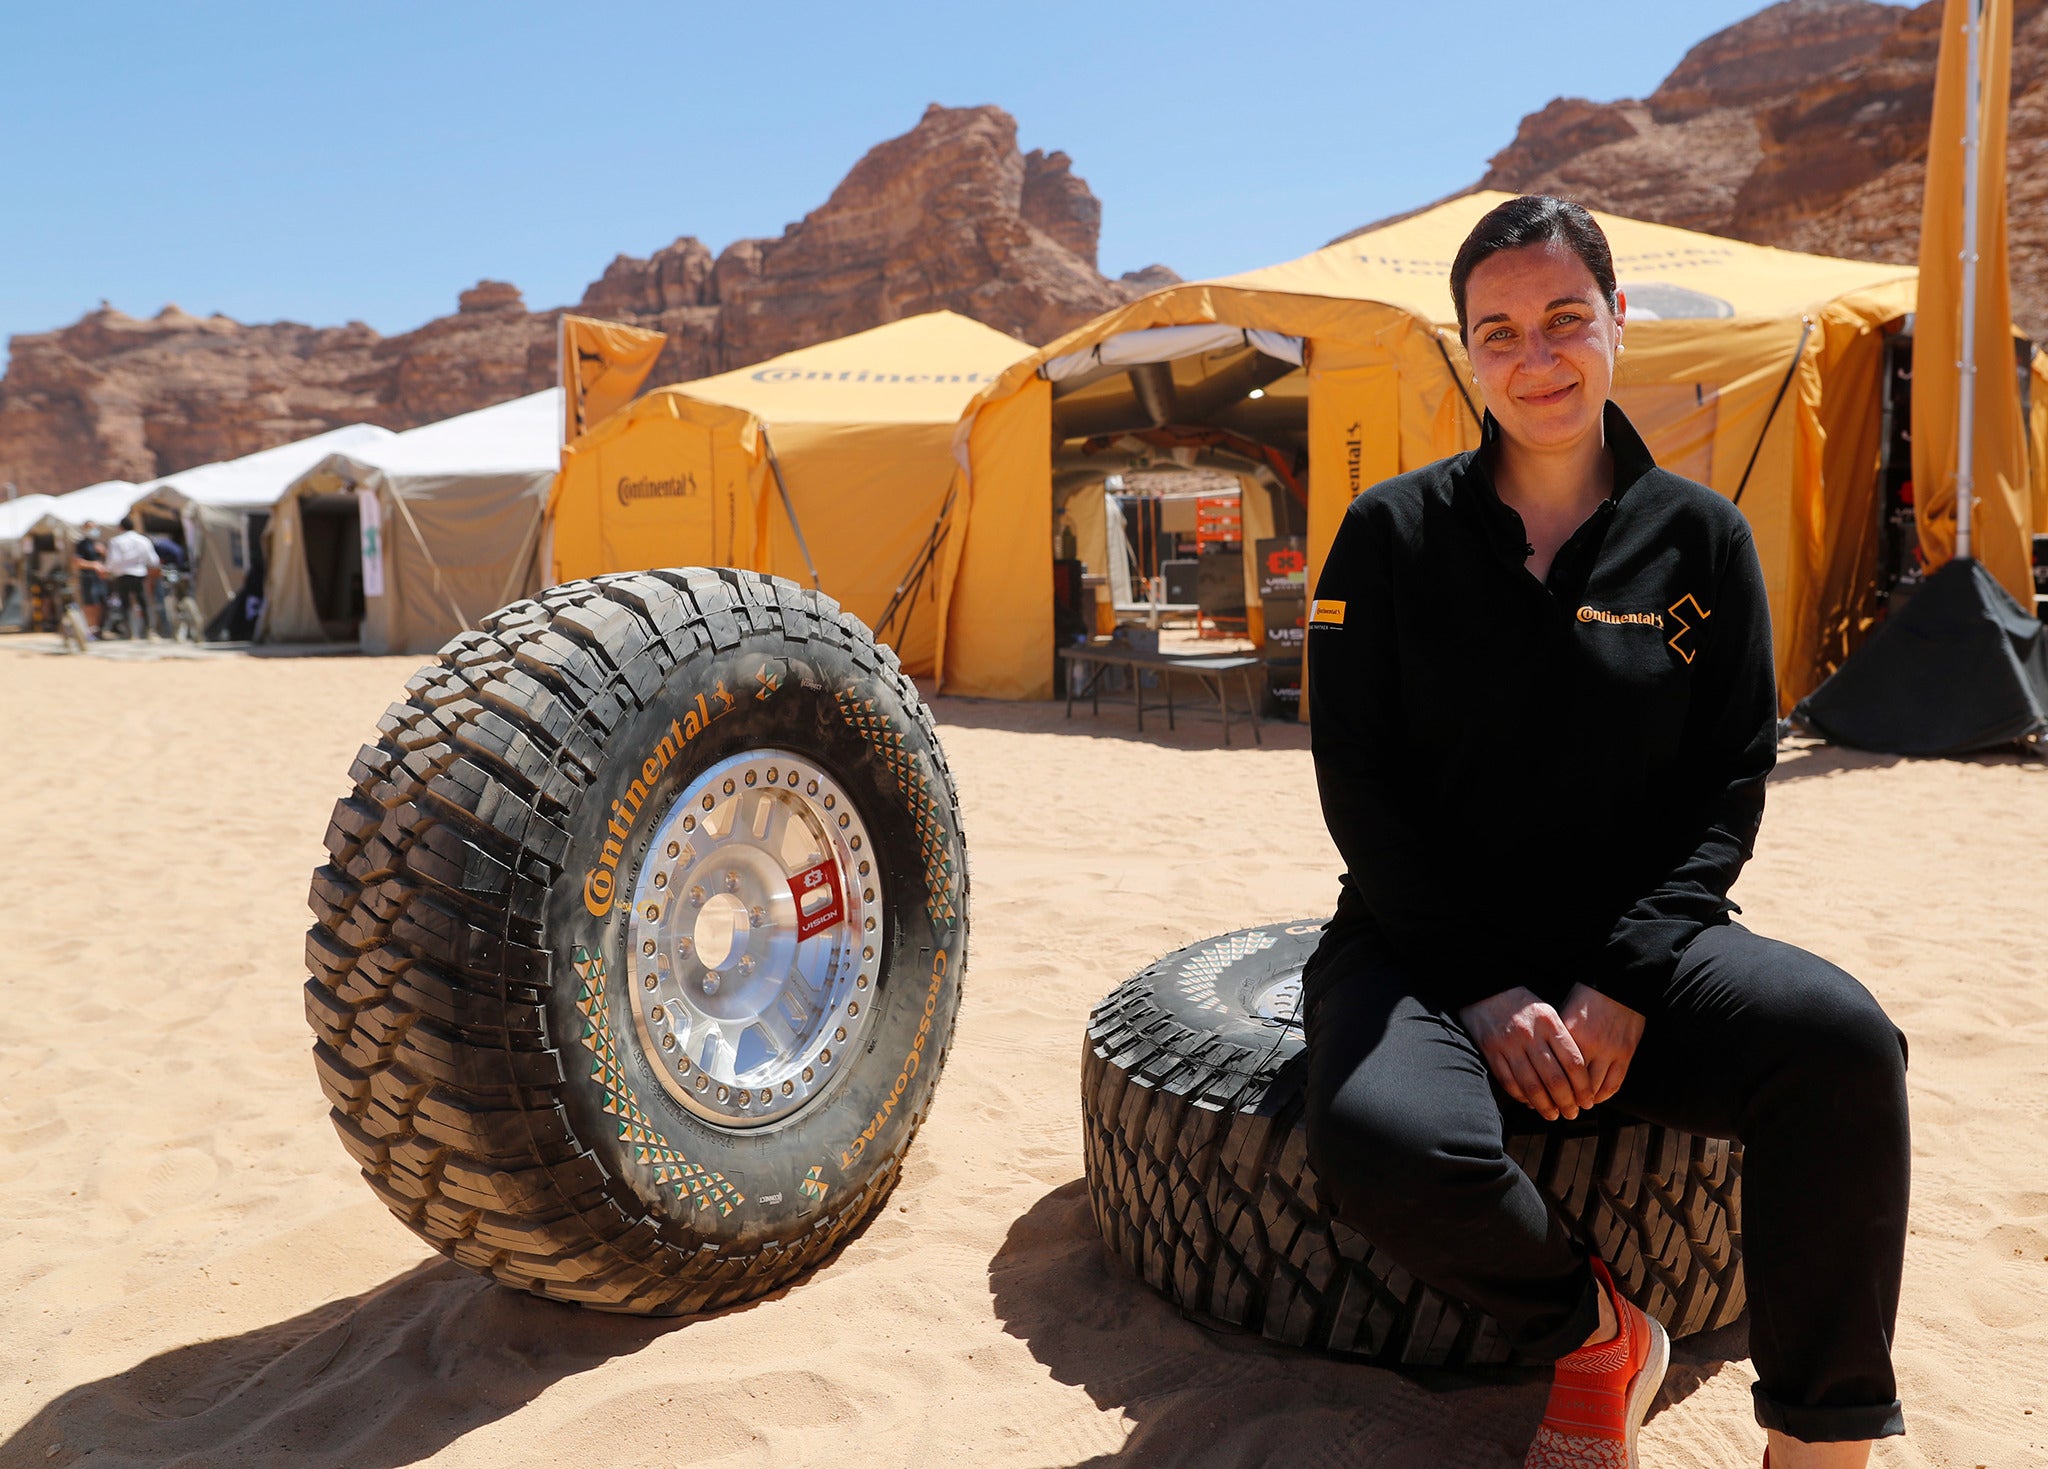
(194, 1273)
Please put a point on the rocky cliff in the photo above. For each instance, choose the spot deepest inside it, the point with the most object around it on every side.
(1803, 126)
(950, 215)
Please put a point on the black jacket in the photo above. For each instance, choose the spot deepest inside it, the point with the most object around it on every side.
(1541, 783)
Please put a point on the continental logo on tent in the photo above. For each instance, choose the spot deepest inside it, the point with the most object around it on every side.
(600, 883)
(865, 375)
(1325, 613)
(1622, 619)
(675, 487)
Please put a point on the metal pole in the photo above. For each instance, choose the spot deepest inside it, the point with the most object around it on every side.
(1966, 417)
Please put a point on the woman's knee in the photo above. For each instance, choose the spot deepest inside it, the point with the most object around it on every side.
(1836, 1029)
(1384, 1162)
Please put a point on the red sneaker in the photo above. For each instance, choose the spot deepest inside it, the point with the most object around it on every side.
(1601, 1393)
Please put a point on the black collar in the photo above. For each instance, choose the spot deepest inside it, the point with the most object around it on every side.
(1503, 525)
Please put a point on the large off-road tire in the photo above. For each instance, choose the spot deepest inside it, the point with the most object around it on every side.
(641, 939)
(1199, 1177)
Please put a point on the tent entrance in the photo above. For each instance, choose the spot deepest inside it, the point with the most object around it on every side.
(1171, 479)
(333, 534)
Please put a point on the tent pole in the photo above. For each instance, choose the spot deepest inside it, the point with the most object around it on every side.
(789, 507)
(1966, 417)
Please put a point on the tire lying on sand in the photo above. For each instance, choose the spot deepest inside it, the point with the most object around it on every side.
(1199, 1179)
(640, 940)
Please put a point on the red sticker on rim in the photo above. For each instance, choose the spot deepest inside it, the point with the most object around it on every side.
(819, 903)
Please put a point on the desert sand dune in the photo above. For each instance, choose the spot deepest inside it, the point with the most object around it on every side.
(194, 1273)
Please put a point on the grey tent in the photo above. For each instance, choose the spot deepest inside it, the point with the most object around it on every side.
(398, 545)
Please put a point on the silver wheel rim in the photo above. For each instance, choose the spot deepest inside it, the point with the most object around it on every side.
(755, 938)
(1280, 1000)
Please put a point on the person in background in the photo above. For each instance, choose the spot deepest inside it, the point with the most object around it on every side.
(88, 561)
(132, 564)
(171, 557)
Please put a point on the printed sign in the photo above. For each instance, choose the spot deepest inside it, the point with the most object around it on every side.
(371, 512)
(1283, 566)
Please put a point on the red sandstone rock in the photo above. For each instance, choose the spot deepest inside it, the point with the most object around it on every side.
(949, 215)
(1803, 126)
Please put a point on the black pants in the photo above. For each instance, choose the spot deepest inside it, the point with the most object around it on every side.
(129, 594)
(1755, 1040)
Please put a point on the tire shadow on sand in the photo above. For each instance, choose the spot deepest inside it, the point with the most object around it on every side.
(369, 1382)
(1197, 1395)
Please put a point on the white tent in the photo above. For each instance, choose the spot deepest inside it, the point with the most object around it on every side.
(103, 504)
(223, 506)
(61, 519)
(17, 518)
(402, 543)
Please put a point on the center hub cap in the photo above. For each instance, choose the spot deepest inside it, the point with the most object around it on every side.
(755, 938)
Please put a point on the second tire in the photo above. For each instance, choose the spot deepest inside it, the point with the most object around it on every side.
(1198, 1174)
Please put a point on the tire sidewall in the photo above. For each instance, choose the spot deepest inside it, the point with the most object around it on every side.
(739, 1187)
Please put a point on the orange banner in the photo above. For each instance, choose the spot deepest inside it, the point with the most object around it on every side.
(602, 367)
(2001, 508)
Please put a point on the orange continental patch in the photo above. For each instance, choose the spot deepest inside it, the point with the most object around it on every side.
(1325, 613)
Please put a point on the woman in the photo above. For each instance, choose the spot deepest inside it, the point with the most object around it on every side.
(1543, 718)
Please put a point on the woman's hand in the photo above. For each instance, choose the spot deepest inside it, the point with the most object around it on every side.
(1531, 1052)
(1607, 1033)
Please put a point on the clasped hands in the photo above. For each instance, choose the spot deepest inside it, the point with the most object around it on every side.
(1557, 1061)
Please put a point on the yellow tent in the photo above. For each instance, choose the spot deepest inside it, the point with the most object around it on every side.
(859, 433)
(1751, 369)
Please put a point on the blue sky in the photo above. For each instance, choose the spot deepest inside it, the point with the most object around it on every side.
(323, 163)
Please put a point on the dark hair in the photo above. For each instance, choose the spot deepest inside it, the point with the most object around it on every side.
(1534, 219)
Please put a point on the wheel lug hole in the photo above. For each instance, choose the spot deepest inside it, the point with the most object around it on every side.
(746, 963)
(649, 981)
(647, 946)
(697, 897)
(661, 879)
(668, 1043)
(710, 981)
(839, 1034)
(675, 849)
(732, 882)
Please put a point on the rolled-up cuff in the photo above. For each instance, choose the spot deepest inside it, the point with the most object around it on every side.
(1829, 1425)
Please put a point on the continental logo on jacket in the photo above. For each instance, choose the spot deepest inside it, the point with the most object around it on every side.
(1622, 619)
(1686, 623)
(600, 883)
(1324, 612)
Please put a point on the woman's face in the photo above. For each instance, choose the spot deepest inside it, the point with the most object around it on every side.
(1542, 342)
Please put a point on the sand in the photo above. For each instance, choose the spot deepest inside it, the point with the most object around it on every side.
(194, 1273)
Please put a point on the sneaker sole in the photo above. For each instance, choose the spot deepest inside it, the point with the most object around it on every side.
(1643, 1391)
